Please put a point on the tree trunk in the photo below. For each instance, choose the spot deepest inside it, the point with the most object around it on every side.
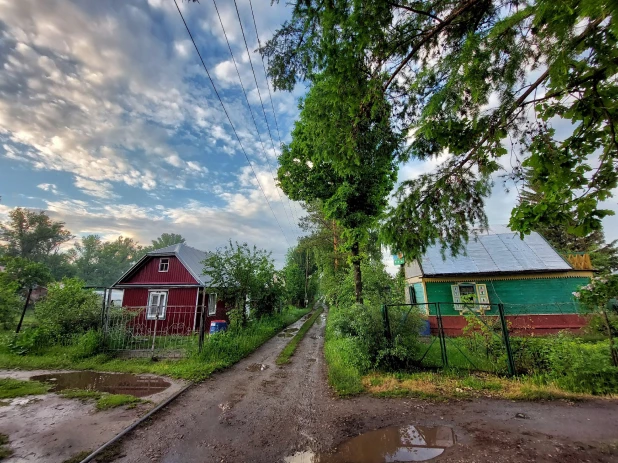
(612, 348)
(23, 312)
(358, 282)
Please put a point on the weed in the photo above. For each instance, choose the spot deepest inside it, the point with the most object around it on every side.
(5, 451)
(290, 348)
(10, 388)
(78, 457)
(104, 400)
(108, 401)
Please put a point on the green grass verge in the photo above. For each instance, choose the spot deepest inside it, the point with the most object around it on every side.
(440, 386)
(290, 348)
(220, 351)
(104, 400)
(10, 388)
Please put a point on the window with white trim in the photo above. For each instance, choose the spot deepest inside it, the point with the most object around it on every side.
(157, 305)
(212, 304)
(470, 293)
(164, 264)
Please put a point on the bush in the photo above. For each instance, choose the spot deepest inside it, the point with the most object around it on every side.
(88, 345)
(69, 309)
(10, 302)
(29, 340)
(582, 367)
(364, 325)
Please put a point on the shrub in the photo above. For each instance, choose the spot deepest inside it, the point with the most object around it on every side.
(582, 367)
(69, 309)
(29, 340)
(88, 345)
(10, 302)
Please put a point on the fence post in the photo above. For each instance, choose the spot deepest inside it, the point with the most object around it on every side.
(202, 330)
(154, 335)
(385, 321)
(507, 341)
(441, 336)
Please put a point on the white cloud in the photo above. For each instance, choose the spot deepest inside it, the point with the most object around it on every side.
(50, 187)
(96, 189)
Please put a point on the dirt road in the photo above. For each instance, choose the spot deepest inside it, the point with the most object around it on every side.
(255, 413)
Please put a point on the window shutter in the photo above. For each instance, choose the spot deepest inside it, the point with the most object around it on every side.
(456, 297)
(482, 295)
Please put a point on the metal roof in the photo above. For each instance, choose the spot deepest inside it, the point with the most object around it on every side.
(496, 253)
(190, 257)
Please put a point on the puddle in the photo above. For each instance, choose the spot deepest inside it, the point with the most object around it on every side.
(257, 367)
(394, 444)
(114, 383)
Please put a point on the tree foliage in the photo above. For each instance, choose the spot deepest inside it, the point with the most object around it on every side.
(101, 263)
(464, 79)
(604, 256)
(166, 239)
(241, 274)
(323, 164)
(34, 236)
(68, 309)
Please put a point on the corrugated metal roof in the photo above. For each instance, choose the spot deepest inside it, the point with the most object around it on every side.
(191, 258)
(496, 253)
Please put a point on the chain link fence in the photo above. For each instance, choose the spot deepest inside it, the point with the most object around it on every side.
(505, 339)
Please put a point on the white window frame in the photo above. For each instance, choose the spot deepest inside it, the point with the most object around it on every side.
(164, 261)
(212, 308)
(151, 313)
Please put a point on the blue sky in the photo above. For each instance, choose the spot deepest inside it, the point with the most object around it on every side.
(108, 121)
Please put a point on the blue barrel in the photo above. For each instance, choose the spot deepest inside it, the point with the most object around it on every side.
(217, 325)
(425, 328)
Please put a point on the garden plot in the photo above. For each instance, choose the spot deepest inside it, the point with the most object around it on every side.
(80, 412)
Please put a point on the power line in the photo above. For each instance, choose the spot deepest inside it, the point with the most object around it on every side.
(249, 105)
(230, 120)
(258, 91)
(270, 95)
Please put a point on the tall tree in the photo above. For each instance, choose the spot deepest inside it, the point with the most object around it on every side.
(464, 78)
(242, 274)
(101, 263)
(166, 239)
(32, 235)
(318, 165)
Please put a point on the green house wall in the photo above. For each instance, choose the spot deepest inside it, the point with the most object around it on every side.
(523, 296)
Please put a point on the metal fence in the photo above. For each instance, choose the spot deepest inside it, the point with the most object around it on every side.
(171, 331)
(495, 338)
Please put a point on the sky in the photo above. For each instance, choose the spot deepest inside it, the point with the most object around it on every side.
(109, 122)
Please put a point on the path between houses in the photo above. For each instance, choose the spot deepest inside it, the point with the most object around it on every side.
(250, 414)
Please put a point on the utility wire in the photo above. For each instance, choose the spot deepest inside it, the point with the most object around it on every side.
(230, 120)
(270, 95)
(259, 93)
(250, 110)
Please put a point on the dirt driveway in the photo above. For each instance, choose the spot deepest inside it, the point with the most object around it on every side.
(252, 413)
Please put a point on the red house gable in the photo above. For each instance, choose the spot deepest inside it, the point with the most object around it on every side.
(148, 273)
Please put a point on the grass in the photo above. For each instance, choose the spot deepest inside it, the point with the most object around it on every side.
(108, 455)
(343, 376)
(220, 351)
(103, 400)
(458, 385)
(290, 348)
(11, 388)
(5, 451)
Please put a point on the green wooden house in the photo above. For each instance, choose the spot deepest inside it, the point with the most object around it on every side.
(534, 283)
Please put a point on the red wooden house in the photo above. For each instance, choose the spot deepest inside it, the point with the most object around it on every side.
(167, 289)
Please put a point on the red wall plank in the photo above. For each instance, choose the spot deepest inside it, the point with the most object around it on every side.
(149, 273)
(179, 316)
(519, 325)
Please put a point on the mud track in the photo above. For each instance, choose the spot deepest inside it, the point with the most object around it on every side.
(263, 414)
